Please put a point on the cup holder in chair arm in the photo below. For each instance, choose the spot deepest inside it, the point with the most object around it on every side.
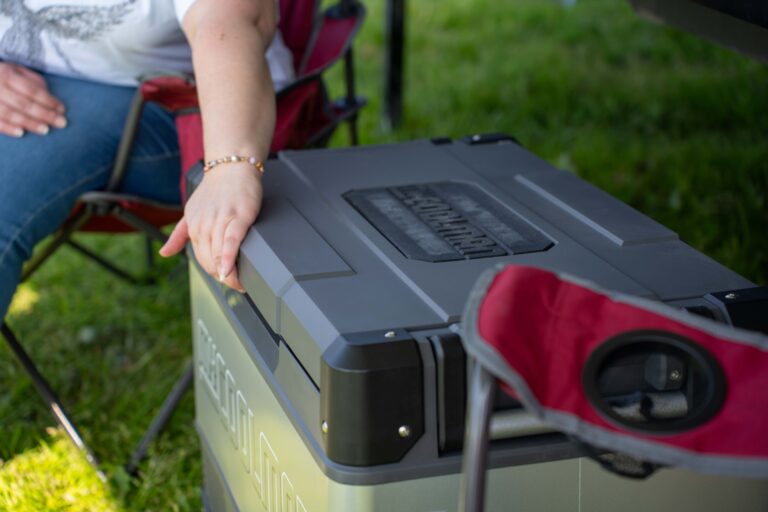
(670, 384)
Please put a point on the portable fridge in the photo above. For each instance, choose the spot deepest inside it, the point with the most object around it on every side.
(337, 382)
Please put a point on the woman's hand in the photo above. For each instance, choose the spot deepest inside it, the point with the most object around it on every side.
(25, 103)
(229, 39)
(216, 220)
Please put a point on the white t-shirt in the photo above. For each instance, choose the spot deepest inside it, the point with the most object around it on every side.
(112, 41)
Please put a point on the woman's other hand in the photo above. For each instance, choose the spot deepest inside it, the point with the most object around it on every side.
(217, 218)
(26, 105)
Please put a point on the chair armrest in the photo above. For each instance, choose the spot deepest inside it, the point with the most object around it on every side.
(175, 92)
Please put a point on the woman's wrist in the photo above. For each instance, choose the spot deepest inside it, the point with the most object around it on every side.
(242, 172)
(253, 161)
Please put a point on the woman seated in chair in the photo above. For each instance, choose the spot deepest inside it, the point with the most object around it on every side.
(68, 72)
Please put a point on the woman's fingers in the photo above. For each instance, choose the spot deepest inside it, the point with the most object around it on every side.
(200, 236)
(35, 92)
(20, 111)
(200, 242)
(31, 84)
(217, 240)
(29, 74)
(218, 216)
(177, 240)
(233, 281)
(26, 105)
(234, 235)
(217, 244)
(10, 129)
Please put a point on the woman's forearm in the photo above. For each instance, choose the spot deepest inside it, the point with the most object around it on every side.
(229, 39)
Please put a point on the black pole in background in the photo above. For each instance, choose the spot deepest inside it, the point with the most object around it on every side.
(351, 97)
(393, 70)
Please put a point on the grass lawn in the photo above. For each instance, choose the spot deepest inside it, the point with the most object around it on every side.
(669, 123)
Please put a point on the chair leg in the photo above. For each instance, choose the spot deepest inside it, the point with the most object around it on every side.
(160, 420)
(353, 137)
(151, 233)
(393, 72)
(150, 253)
(479, 408)
(50, 399)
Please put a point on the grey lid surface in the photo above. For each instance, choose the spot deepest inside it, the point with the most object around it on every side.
(318, 269)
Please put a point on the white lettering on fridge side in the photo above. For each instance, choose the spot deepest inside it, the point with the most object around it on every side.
(256, 454)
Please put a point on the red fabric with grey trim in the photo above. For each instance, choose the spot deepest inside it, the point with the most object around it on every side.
(545, 327)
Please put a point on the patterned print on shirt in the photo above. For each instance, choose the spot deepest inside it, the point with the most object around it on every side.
(23, 40)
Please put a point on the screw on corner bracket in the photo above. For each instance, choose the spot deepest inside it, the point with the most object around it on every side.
(390, 334)
(324, 427)
(404, 431)
(730, 296)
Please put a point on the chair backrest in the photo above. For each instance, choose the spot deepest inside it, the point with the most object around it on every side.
(298, 19)
(305, 116)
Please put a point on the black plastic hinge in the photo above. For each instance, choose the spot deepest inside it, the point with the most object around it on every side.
(451, 366)
(747, 308)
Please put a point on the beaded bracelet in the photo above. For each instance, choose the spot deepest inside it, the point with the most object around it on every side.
(258, 164)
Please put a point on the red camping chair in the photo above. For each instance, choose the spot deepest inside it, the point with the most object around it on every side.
(549, 340)
(306, 117)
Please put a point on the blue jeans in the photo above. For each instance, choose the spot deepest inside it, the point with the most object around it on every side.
(42, 176)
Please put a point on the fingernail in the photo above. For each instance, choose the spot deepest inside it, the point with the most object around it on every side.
(18, 132)
(60, 109)
(60, 122)
(42, 129)
(221, 277)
